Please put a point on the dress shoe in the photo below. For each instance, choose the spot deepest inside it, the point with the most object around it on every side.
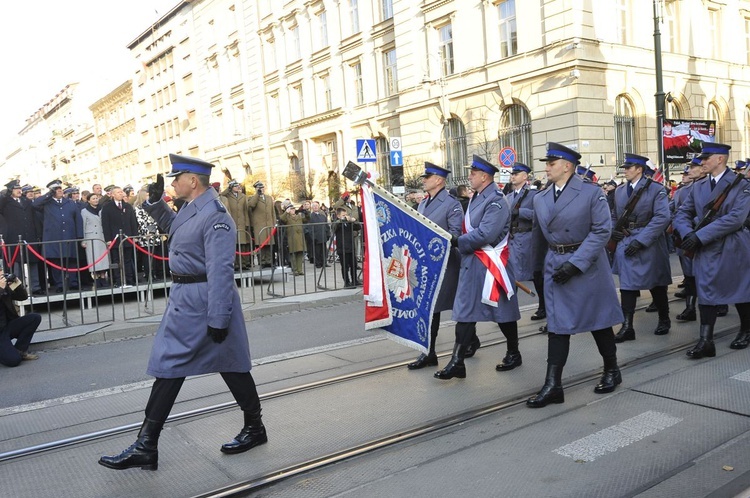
(681, 294)
(742, 340)
(611, 378)
(144, 453)
(552, 391)
(512, 360)
(39, 292)
(651, 308)
(26, 356)
(681, 285)
(543, 329)
(705, 346)
(424, 360)
(540, 314)
(252, 434)
(455, 367)
(722, 310)
(627, 332)
(688, 314)
(473, 346)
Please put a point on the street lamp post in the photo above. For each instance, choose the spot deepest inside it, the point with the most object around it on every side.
(659, 90)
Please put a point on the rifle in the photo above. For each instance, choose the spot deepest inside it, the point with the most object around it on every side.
(516, 208)
(713, 208)
(625, 217)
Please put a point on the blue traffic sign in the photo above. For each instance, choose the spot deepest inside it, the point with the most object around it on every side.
(366, 150)
(507, 156)
(397, 158)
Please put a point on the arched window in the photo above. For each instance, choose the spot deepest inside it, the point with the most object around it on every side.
(297, 178)
(454, 145)
(384, 161)
(624, 128)
(671, 111)
(515, 131)
(714, 114)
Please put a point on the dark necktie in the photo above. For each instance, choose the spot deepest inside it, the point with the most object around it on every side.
(557, 193)
(630, 189)
(119, 206)
(713, 183)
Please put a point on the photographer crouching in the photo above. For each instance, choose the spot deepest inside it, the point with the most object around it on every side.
(12, 326)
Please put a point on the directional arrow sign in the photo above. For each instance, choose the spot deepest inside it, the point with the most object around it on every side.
(396, 158)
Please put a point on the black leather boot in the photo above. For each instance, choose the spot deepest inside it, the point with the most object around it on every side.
(252, 434)
(722, 310)
(611, 377)
(471, 349)
(662, 328)
(627, 332)
(705, 346)
(512, 360)
(688, 314)
(424, 360)
(651, 308)
(455, 367)
(552, 391)
(540, 314)
(680, 293)
(742, 340)
(143, 453)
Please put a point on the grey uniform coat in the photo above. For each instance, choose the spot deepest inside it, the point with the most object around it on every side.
(581, 215)
(202, 238)
(677, 199)
(721, 273)
(649, 267)
(490, 218)
(445, 211)
(521, 258)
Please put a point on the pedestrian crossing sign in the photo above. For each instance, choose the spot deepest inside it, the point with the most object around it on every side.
(366, 150)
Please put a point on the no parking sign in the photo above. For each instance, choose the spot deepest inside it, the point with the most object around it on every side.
(506, 157)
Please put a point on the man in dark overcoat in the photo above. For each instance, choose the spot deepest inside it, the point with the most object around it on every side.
(720, 279)
(62, 226)
(119, 215)
(486, 289)
(203, 329)
(19, 213)
(320, 232)
(445, 211)
(572, 224)
(521, 203)
(641, 257)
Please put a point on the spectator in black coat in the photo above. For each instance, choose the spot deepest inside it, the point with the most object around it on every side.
(320, 232)
(12, 326)
(19, 213)
(119, 215)
(344, 229)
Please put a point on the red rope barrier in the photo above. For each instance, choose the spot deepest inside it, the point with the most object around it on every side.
(255, 251)
(144, 251)
(71, 270)
(5, 254)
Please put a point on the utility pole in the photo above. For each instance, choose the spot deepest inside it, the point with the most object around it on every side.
(659, 90)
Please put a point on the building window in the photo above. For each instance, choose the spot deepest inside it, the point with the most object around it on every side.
(515, 131)
(238, 115)
(359, 92)
(391, 78)
(671, 22)
(624, 128)
(274, 120)
(325, 93)
(747, 41)
(714, 114)
(323, 25)
(621, 21)
(329, 156)
(454, 145)
(270, 55)
(507, 14)
(295, 102)
(445, 49)
(714, 33)
(384, 161)
(354, 15)
(387, 9)
(671, 111)
(295, 53)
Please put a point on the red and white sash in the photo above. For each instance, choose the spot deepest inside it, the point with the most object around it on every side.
(495, 260)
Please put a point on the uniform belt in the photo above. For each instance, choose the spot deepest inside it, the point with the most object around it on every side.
(563, 248)
(188, 279)
(633, 225)
(519, 230)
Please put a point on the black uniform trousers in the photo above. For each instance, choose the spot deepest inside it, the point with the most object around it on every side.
(558, 346)
(22, 330)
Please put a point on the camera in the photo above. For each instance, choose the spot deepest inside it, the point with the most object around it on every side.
(9, 277)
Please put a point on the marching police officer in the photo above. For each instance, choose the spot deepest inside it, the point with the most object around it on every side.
(641, 258)
(521, 201)
(203, 329)
(445, 211)
(716, 241)
(486, 288)
(572, 226)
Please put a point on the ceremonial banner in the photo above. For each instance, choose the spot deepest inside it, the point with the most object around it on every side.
(405, 260)
(683, 139)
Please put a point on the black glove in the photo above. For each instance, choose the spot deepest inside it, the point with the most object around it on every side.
(633, 248)
(156, 191)
(617, 235)
(454, 241)
(691, 242)
(564, 272)
(217, 335)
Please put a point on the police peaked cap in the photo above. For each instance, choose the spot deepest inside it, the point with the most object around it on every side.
(635, 160)
(580, 170)
(187, 164)
(13, 184)
(482, 165)
(54, 184)
(432, 169)
(559, 151)
(27, 188)
(520, 167)
(740, 164)
(695, 162)
(709, 149)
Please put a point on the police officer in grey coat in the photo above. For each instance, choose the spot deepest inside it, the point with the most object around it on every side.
(203, 329)
(572, 226)
(486, 227)
(445, 211)
(521, 202)
(641, 257)
(721, 279)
